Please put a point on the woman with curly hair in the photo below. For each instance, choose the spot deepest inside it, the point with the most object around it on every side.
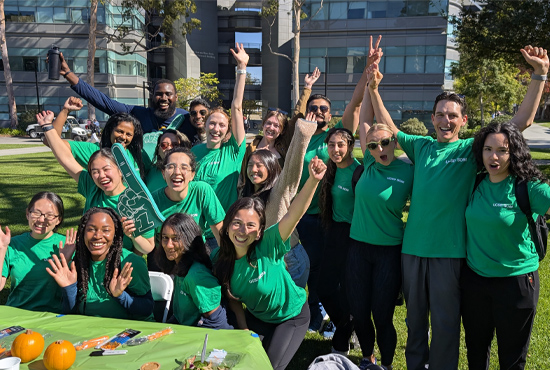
(169, 140)
(336, 200)
(197, 293)
(103, 279)
(500, 282)
(122, 128)
(249, 266)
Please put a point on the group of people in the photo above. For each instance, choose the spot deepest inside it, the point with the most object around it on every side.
(255, 223)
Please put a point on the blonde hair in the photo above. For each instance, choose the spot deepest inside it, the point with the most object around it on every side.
(380, 127)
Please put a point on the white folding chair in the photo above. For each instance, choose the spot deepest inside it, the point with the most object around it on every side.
(162, 287)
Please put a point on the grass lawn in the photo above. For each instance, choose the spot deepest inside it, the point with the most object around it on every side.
(540, 153)
(17, 146)
(23, 176)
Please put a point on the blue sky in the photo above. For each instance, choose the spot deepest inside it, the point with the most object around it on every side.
(250, 38)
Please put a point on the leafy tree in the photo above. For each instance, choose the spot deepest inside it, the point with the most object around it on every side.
(251, 106)
(413, 126)
(192, 88)
(7, 68)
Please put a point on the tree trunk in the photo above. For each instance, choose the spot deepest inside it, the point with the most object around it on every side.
(7, 69)
(91, 53)
(297, 8)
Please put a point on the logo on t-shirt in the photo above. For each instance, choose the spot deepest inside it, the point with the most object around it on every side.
(502, 205)
(394, 179)
(193, 214)
(343, 188)
(255, 280)
(455, 160)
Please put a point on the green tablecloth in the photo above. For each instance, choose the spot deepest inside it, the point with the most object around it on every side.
(166, 351)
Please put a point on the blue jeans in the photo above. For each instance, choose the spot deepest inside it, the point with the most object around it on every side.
(297, 264)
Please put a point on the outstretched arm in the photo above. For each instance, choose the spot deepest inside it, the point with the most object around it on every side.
(302, 201)
(380, 111)
(142, 244)
(538, 59)
(61, 151)
(366, 118)
(72, 104)
(237, 122)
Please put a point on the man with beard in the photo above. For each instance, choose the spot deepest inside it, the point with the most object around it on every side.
(199, 109)
(157, 117)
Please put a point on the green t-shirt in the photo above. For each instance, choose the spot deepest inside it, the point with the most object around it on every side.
(196, 293)
(498, 239)
(83, 150)
(444, 175)
(380, 196)
(220, 169)
(200, 203)
(95, 197)
(316, 147)
(32, 288)
(342, 195)
(267, 289)
(102, 304)
(154, 180)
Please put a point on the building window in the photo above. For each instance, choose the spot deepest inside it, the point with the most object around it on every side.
(338, 10)
(357, 10)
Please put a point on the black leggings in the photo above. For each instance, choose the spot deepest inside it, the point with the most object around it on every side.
(281, 341)
(373, 281)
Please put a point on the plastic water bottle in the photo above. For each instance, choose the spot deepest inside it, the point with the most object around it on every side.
(54, 63)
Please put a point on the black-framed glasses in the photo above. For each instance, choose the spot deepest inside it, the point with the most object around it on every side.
(373, 145)
(195, 112)
(315, 108)
(278, 111)
(47, 216)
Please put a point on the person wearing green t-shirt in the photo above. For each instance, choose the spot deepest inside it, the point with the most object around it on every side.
(101, 184)
(336, 205)
(250, 268)
(23, 258)
(434, 244)
(183, 195)
(169, 140)
(197, 293)
(220, 158)
(122, 128)
(500, 282)
(103, 279)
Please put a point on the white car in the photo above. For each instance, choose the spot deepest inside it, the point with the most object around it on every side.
(71, 130)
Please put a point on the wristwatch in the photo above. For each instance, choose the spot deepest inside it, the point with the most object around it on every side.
(47, 128)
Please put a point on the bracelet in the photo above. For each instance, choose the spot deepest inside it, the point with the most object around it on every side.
(65, 75)
(47, 128)
(241, 71)
(539, 77)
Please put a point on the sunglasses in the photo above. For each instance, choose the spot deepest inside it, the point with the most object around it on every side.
(373, 145)
(202, 112)
(165, 146)
(314, 108)
(278, 111)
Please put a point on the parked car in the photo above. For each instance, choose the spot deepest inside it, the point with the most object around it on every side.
(71, 130)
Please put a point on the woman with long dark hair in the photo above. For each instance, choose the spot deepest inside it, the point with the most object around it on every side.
(23, 257)
(103, 279)
(197, 293)
(122, 128)
(336, 200)
(101, 184)
(500, 282)
(250, 270)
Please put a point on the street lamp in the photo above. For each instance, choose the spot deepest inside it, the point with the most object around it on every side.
(34, 65)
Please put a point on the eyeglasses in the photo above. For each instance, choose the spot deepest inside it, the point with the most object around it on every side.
(166, 145)
(195, 112)
(314, 108)
(171, 167)
(47, 216)
(373, 145)
(278, 111)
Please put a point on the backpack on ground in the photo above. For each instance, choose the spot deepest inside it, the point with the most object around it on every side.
(332, 361)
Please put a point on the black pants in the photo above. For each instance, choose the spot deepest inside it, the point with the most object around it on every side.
(373, 281)
(507, 305)
(281, 341)
(332, 286)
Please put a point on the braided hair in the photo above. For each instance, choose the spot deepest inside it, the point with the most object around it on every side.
(83, 256)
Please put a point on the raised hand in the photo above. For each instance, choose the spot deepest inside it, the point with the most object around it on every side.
(68, 249)
(240, 56)
(311, 117)
(317, 168)
(310, 80)
(537, 58)
(45, 118)
(128, 226)
(375, 54)
(62, 274)
(73, 104)
(374, 76)
(120, 282)
(5, 239)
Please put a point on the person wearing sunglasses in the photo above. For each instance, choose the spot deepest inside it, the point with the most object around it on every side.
(310, 228)
(199, 109)
(434, 243)
(169, 140)
(23, 258)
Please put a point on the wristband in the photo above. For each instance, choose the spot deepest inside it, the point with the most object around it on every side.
(241, 71)
(539, 77)
(65, 75)
(47, 128)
